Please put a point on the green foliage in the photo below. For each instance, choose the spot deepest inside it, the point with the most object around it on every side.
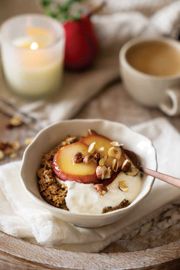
(61, 11)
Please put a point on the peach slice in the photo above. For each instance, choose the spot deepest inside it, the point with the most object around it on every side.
(100, 141)
(65, 168)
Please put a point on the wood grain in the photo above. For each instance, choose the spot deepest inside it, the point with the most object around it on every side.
(65, 259)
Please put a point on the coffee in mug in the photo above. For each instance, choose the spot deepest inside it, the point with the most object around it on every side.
(154, 58)
(150, 69)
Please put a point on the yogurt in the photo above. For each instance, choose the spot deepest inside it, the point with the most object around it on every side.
(84, 199)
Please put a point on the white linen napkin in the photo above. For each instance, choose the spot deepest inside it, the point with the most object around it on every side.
(119, 22)
(22, 217)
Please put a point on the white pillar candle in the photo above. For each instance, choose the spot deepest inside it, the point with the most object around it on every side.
(33, 54)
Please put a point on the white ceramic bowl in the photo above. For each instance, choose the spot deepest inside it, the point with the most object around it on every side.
(52, 135)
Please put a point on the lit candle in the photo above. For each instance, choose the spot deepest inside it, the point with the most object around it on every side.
(33, 54)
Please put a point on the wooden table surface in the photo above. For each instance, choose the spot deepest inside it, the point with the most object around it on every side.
(113, 103)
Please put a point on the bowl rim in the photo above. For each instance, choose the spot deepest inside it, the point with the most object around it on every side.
(46, 205)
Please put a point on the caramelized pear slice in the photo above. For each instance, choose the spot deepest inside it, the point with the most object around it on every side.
(66, 169)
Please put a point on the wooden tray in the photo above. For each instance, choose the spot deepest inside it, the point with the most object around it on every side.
(23, 255)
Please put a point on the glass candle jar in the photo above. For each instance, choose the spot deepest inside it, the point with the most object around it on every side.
(32, 48)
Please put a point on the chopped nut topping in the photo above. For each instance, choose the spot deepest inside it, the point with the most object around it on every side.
(116, 144)
(123, 186)
(78, 158)
(115, 165)
(91, 148)
(101, 189)
(68, 140)
(16, 145)
(91, 132)
(108, 173)
(126, 166)
(133, 171)
(15, 121)
(115, 152)
(27, 141)
(129, 168)
(63, 143)
(13, 155)
(101, 172)
(108, 161)
(9, 149)
(102, 162)
(96, 156)
(88, 158)
(101, 149)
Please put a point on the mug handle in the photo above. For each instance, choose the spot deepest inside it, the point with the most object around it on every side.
(171, 105)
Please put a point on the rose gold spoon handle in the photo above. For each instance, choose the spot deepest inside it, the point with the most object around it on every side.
(164, 177)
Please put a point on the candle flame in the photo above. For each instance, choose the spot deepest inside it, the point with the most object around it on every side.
(34, 46)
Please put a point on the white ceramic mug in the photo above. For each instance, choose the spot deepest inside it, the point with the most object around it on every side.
(153, 91)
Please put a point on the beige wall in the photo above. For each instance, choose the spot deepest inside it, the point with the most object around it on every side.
(10, 8)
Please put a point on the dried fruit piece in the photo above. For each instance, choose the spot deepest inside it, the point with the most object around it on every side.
(123, 186)
(78, 158)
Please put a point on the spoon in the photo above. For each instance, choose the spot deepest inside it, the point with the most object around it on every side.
(161, 176)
